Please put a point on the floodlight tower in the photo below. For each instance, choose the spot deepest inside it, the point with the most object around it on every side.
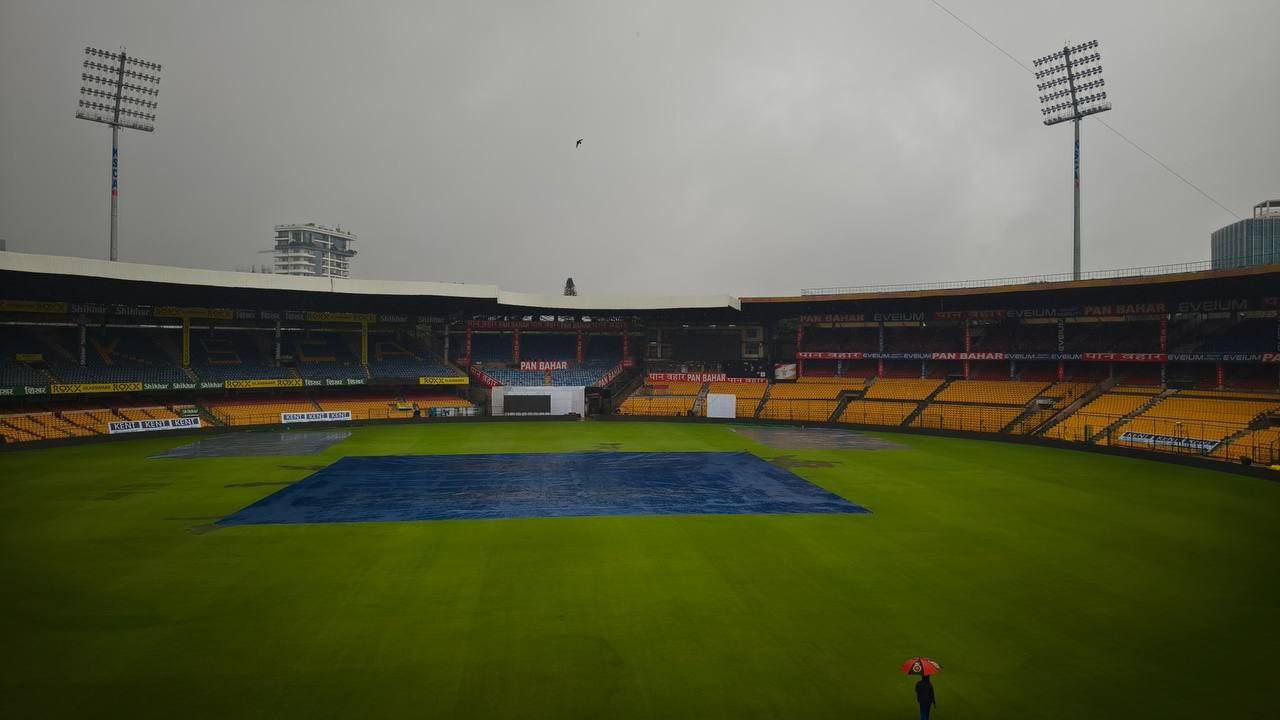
(120, 91)
(1080, 71)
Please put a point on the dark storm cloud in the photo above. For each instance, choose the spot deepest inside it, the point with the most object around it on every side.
(735, 147)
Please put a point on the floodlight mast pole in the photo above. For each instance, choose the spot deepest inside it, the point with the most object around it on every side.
(1075, 224)
(1069, 72)
(118, 90)
(115, 158)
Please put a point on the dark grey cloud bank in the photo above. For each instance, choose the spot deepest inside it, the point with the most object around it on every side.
(738, 147)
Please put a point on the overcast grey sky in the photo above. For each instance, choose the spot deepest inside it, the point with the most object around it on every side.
(740, 147)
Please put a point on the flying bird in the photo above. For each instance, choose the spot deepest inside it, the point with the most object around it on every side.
(579, 143)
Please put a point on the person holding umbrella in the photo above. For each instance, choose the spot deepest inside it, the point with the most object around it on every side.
(925, 668)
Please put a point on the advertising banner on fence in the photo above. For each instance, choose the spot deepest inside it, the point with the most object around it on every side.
(133, 426)
(451, 412)
(23, 390)
(340, 317)
(544, 364)
(482, 377)
(686, 377)
(444, 380)
(193, 312)
(701, 377)
(819, 355)
(170, 386)
(1170, 441)
(1124, 357)
(600, 325)
(967, 356)
(267, 383)
(76, 388)
(33, 306)
(610, 376)
(306, 417)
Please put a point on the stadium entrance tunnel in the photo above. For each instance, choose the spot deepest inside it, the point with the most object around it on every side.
(495, 486)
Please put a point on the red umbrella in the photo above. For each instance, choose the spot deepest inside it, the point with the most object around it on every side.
(921, 666)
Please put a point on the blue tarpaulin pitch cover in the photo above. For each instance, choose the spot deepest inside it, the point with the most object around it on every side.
(450, 487)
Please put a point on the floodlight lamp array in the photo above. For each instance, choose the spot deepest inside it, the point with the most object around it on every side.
(119, 90)
(1065, 78)
(115, 57)
(1063, 53)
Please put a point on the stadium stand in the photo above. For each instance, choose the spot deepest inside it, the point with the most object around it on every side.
(1258, 446)
(94, 420)
(1050, 402)
(659, 405)
(111, 355)
(392, 359)
(368, 407)
(257, 411)
(605, 349)
(547, 346)
(1100, 413)
(873, 412)
(996, 392)
(810, 388)
(665, 399)
(1201, 418)
(425, 401)
(491, 347)
(1193, 359)
(812, 410)
(234, 355)
(326, 356)
(969, 418)
(902, 389)
(808, 399)
(586, 374)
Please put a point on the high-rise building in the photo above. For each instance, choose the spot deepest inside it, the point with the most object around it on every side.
(1252, 241)
(314, 250)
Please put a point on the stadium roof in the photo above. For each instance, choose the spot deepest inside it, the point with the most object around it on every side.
(1024, 287)
(70, 279)
(90, 270)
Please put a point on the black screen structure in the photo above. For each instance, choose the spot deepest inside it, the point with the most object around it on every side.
(527, 405)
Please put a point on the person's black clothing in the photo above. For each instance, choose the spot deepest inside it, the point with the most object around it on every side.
(924, 693)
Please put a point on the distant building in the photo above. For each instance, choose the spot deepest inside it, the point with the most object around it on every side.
(1252, 241)
(314, 250)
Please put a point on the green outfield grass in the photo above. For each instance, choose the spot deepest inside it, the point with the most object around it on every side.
(1051, 583)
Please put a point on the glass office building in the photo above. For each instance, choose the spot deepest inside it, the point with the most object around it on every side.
(1252, 241)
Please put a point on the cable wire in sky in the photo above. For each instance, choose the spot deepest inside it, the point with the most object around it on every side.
(1119, 134)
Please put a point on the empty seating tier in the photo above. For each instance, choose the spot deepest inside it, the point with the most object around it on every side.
(664, 405)
(871, 412)
(257, 412)
(815, 410)
(1096, 416)
(813, 389)
(1259, 446)
(968, 418)
(995, 392)
(902, 389)
(1197, 417)
(381, 407)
